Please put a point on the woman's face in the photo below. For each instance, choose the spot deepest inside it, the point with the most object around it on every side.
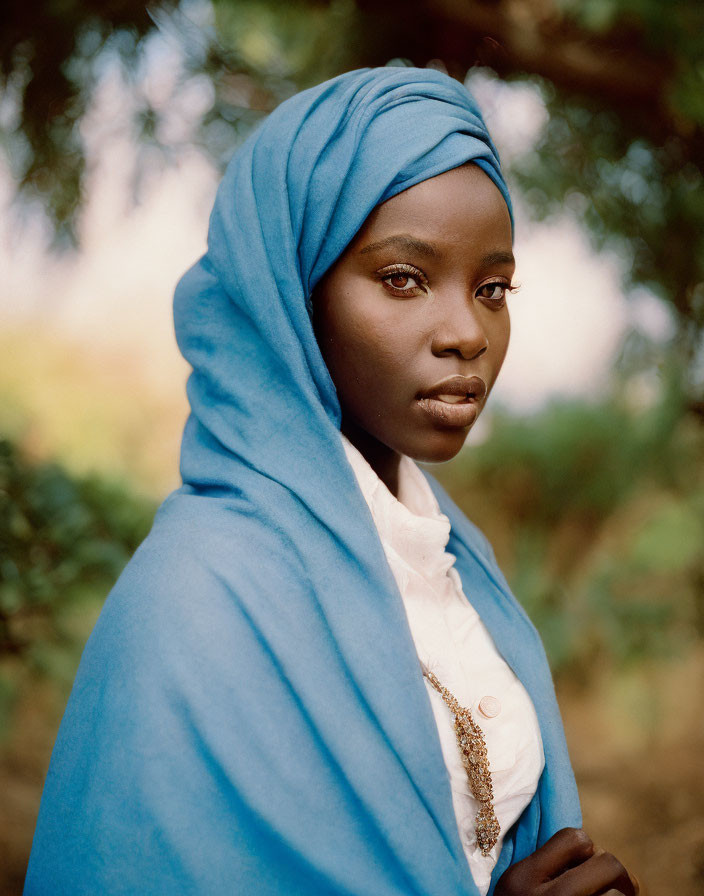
(412, 319)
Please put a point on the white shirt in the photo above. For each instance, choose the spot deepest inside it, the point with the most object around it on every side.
(453, 642)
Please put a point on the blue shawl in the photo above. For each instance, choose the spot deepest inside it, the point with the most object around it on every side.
(250, 715)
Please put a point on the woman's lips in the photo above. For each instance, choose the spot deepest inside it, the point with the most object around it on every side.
(451, 413)
(454, 401)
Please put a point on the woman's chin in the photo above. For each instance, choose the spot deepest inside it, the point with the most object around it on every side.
(439, 446)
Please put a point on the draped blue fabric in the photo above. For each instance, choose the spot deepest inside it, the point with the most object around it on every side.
(250, 715)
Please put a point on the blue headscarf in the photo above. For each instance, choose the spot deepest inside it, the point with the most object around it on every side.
(250, 715)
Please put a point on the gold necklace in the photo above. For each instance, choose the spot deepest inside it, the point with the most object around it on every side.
(476, 762)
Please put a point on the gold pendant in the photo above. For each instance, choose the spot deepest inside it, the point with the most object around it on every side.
(470, 740)
(476, 764)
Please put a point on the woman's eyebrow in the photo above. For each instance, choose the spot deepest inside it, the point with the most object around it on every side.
(498, 258)
(402, 241)
(413, 244)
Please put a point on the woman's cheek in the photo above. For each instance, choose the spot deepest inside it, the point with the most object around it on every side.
(499, 342)
(505, 335)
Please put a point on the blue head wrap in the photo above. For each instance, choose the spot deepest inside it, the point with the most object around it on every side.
(250, 715)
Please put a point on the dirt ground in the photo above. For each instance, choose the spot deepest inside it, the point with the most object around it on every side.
(637, 746)
(636, 742)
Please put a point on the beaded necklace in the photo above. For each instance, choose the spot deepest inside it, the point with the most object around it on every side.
(470, 740)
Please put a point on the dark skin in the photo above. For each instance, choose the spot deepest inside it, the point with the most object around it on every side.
(418, 296)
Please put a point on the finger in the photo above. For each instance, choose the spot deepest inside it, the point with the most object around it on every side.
(602, 870)
(598, 850)
(565, 849)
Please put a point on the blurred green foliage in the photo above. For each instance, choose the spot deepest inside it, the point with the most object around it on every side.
(63, 542)
(640, 197)
(48, 56)
(623, 80)
(596, 512)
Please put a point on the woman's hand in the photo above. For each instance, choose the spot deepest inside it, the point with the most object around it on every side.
(567, 865)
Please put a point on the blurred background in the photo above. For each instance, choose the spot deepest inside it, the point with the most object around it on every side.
(587, 474)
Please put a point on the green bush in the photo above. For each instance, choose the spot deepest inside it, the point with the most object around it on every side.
(63, 542)
(596, 512)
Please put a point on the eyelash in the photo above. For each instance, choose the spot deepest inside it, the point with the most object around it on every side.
(408, 270)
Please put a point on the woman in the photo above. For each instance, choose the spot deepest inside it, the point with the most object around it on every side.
(256, 711)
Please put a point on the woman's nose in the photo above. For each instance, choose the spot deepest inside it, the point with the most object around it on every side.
(461, 330)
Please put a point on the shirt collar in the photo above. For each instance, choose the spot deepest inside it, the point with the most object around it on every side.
(412, 525)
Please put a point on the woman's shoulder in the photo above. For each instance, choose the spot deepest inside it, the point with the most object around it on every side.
(199, 572)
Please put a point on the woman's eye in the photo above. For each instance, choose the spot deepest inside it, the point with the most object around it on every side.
(403, 281)
(494, 292)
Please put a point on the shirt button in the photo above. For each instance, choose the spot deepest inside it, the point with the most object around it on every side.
(489, 707)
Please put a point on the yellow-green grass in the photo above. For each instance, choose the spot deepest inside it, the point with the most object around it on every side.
(93, 410)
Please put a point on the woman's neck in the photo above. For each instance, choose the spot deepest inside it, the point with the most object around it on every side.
(382, 459)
